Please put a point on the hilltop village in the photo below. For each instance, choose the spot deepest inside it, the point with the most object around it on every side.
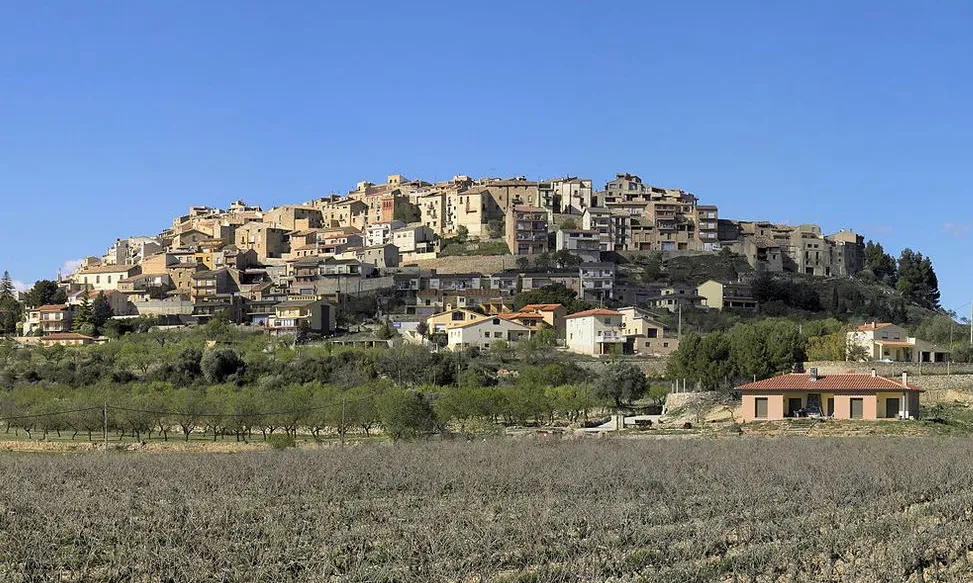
(641, 276)
(442, 263)
(444, 258)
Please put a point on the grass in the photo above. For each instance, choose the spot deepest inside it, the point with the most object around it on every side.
(473, 248)
(743, 510)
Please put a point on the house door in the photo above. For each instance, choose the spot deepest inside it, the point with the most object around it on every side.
(814, 401)
(858, 408)
(829, 409)
(891, 408)
(793, 406)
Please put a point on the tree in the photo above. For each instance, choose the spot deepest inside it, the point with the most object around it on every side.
(569, 225)
(880, 263)
(917, 281)
(829, 347)
(82, 315)
(9, 306)
(422, 329)
(101, 312)
(44, 292)
(495, 228)
(221, 364)
(621, 382)
(652, 267)
(763, 349)
(462, 234)
(6, 285)
(405, 414)
(564, 259)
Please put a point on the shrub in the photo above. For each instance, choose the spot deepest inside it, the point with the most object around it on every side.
(281, 441)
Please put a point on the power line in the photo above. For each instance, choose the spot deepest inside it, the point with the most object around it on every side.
(344, 402)
(50, 413)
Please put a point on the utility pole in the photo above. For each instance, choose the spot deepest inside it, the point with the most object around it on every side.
(343, 428)
(679, 327)
(104, 428)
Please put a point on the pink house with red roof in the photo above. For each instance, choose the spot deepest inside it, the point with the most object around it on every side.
(839, 396)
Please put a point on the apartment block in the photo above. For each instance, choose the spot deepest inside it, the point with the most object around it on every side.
(597, 280)
(526, 230)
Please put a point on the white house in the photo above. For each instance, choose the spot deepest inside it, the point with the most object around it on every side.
(381, 233)
(595, 332)
(482, 333)
(104, 277)
(414, 239)
(886, 341)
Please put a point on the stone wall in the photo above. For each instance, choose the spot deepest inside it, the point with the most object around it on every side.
(465, 264)
(894, 369)
(353, 285)
(163, 308)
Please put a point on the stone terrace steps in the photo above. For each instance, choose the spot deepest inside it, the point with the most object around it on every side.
(799, 426)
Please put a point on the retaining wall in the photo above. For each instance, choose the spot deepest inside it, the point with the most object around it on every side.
(894, 369)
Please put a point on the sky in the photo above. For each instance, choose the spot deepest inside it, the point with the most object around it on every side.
(117, 116)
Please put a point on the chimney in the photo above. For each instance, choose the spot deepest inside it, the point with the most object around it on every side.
(905, 378)
(813, 373)
(874, 374)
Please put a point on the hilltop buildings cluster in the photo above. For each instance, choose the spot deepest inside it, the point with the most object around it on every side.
(293, 266)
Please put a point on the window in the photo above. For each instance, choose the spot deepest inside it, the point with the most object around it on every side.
(760, 408)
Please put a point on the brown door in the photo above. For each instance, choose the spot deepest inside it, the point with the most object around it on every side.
(858, 408)
(829, 409)
(892, 408)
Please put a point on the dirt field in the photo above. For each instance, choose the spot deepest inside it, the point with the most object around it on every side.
(730, 510)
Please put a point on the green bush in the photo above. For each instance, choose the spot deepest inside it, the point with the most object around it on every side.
(281, 441)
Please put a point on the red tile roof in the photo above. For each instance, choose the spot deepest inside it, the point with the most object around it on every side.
(522, 316)
(52, 308)
(873, 326)
(595, 312)
(541, 307)
(835, 382)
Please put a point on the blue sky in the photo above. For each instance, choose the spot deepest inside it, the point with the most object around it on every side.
(116, 116)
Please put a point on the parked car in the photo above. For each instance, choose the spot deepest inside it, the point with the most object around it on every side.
(812, 412)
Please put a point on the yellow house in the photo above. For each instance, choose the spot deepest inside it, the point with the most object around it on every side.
(445, 320)
(314, 315)
(733, 296)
